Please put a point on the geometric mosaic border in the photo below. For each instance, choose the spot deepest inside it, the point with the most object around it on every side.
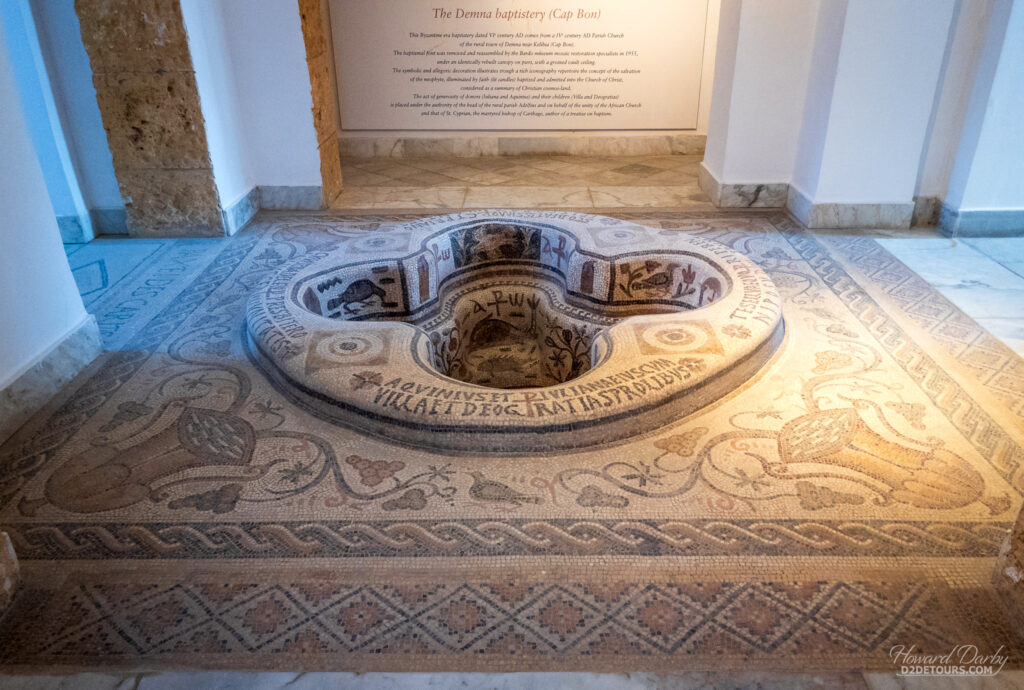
(326, 625)
(501, 537)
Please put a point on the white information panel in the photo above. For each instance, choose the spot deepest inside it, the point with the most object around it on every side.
(518, 64)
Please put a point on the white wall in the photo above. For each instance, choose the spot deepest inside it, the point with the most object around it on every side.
(39, 302)
(41, 111)
(272, 82)
(707, 69)
(214, 69)
(833, 97)
(885, 86)
(962, 55)
(60, 38)
(989, 170)
(826, 40)
(250, 63)
(759, 95)
(726, 47)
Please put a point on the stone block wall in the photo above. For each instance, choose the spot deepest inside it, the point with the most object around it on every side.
(316, 22)
(149, 101)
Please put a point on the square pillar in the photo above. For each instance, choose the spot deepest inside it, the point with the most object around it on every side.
(986, 188)
(869, 101)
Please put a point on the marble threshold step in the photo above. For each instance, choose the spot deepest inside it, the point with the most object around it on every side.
(392, 145)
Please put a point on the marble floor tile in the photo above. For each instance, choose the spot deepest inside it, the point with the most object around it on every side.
(923, 237)
(672, 176)
(364, 178)
(425, 178)
(1006, 680)
(953, 266)
(551, 181)
(1009, 330)
(611, 178)
(556, 163)
(650, 197)
(398, 197)
(1015, 266)
(543, 178)
(432, 164)
(1011, 248)
(381, 166)
(1008, 251)
(674, 162)
(982, 302)
(528, 197)
(487, 178)
(525, 171)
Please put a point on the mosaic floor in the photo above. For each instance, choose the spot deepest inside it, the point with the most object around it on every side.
(849, 498)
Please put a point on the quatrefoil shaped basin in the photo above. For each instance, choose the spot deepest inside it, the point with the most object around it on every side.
(514, 331)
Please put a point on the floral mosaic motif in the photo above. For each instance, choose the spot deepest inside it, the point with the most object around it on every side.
(736, 331)
(591, 496)
(685, 444)
(126, 412)
(912, 412)
(830, 360)
(828, 457)
(373, 472)
(366, 379)
(222, 500)
(265, 616)
(815, 497)
(359, 618)
(192, 422)
(491, 491)
(413, 499)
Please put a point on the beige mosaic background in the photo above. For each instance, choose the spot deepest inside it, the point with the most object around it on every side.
(852, 496)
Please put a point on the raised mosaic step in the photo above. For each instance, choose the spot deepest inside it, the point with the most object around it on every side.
(514, 331)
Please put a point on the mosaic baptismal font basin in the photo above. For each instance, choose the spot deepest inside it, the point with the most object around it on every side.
(508, 331)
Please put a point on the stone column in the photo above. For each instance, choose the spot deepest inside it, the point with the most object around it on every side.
(986, 188)
(316, 32)
(147, 94)
(1009, 575)
(9, 573)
